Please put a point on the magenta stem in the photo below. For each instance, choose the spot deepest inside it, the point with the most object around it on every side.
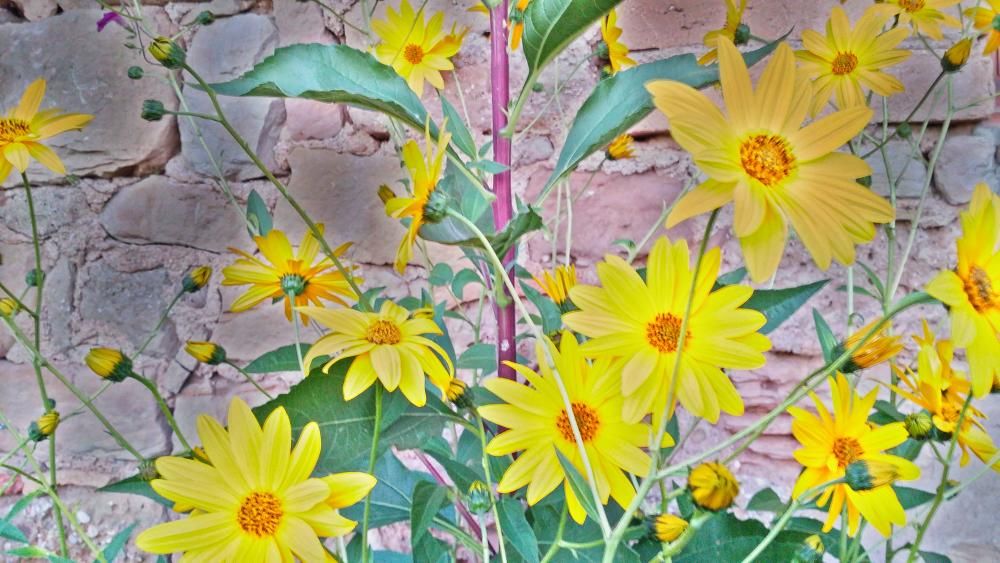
(470, 520)
(503, 205)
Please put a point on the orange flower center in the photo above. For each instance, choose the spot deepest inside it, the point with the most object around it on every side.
(383, 332)
(586, 420)
(844, 63)
(12, 128)
(847, 450)
(979, 288)
(663, 332)
(413, 54)
(260, 514)
(912, 5)
(766, 158)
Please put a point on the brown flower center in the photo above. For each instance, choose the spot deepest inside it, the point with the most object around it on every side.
(383, 332)
(413, 54)
(12, 128)
(586, 420)
(663, 332)
(766, 158)
(979, 288)
(844, 63)
(847, 450)
(912, 5)
(260, 514)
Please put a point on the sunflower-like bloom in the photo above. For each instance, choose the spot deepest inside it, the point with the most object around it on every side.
(538, 424)
(942, 392)
(388, 345)
(982, 19)
(620, 148)
(846, 62)
(972, 290)
(759, 156)
(924, 16)
(830, 443)
(255, 500)
(425, 171)
(295, 277)
(24, 127)
(730, 30)
(637, 323)
(713, 486)
(416, 48)
(880, 348)
(617, 51)
(558, 283)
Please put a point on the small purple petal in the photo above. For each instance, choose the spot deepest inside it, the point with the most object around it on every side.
(109, 17)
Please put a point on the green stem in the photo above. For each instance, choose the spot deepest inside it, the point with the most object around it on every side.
(778, 526)
(20, 304)
(686, 536)
(159, 324)
(163, 407)
(372, 458)
(249, 378)
(554, 548)
(298, 339)
(489, 485)
(909, 117)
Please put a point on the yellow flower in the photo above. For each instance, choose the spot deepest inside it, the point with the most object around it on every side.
(879, 348)
(456, 392)
(972, 290)
(293, 276)
(621, 147)
(713, 486)
(167, 52)
(848, 61)
(759, 156)
(517, 23)
(925, 16)
(537, 423)
(256, 501)
(7, 306)
(617, 51)
(667, 527)
(425, 171)
(957, 55)
(196, 279)
(109, 363)
(558, 284)
(983, 18)
(48, 422)
(867, 474)
(638, 324)
(24, 127)
(730, 30)
(206, 352)
(417, 49)
(388, 345)
(830, 443)
(942, 392)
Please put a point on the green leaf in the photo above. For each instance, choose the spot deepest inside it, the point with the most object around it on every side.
(517, 533)
(333, 74)
(462, 475)
(429, 549)
(874, 280)
(620, 101)
(282, 359)
(460, 135)
(135, 485)
(827, 340)
(810, 526)
(488, 166)
(521, 224)
(258, 215)
(726, 538)
(463, 278)
(551, 25)
(428, 499)
(29, 552)
(441, 274)
(392, 498)
(579, 486)
(479, 356)
(779, 304)
(766, 500)
(931, 557)
(116, 544)
(9, 531)
(912, 498)
(731, 278)
(549, 311)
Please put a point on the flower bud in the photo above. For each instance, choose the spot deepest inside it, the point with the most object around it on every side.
(712, 486)
(602, 51)
(8, 307)
(385, 193)
(957, 55)
(811, 551)
(867, 474)
(44, 426)
(135, 72)
(620, 148)
(436, 207)
(206, 352)
(147, 470)
(742, 34)
(196, 279)
(904, 130)
(109, 363)
(457, 393)
(167, 52)
(205, 18)
(293, 285)
(34, 277)
(918, 425)
(667, 527)
(152, 110)
(479, 498)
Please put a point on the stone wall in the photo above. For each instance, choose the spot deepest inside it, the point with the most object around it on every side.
(141, 207)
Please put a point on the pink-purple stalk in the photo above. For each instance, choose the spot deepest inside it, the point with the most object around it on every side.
(503, 205)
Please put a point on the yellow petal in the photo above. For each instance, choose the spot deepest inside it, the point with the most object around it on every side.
(18, 155)
(30, 101)
(188, 534)
(348, 488)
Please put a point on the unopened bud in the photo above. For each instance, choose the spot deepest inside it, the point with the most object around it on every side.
(109, 363)
(196, 279)
(152, 110)
(8, 307)
(385, 193)
(167, 52)
(918, 425)
(44, 427)
(904, 130)
(34, 277)
(479, 498)
(811, 551)
(667, 527)
(135, 72)
(867, 474)
(206, 352)
(957, 55)
(205, 18)
(457, 393)
(742, 34)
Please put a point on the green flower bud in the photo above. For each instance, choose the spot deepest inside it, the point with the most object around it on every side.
(206, 352)
(135, 72)
(196, 279)
(866, 474)
(152, 110)
(904, 130)
(479, 499)
(918, 425)
(109, 364)
(205, 18)
(437, 207)
(811, 551)
(742, 35)
(168, 53)
(34, 277)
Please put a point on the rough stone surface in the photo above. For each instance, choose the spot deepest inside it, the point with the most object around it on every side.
(964, 162)
(34, 10)
(908, 170)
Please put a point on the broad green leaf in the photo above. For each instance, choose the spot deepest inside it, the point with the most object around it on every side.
(429, 549)
(620, 101)
(333, 74)
(912, 498)
(810, 526)
(392, 496)
(580, 488)
(135, 485)
(551, 25)
(517, 533)
(549, 311)
(462, 475)
(731, 278)
(524, 222)
(545, 520)
(886, 412)
(931, 557)
(479, 356)
(460, 135)
(441, 274)
(779, 304)
(488, 166)
(428, 499)
(726, 538)
(11, 532)
(258, 215)
(377, 555)
(117, 544)
(766, 500)
(827, 340)
(282, 359)
(463, 278)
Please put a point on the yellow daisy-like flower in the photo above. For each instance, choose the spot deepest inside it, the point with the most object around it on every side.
(759, 156)
(620, 148)
(972, 290)
(925, 16)
(24, 127)
(425, 171)
(942, 391)
(734, 19)
(255, 501)
(416, 48)
(637, 323)
(289, 275)
(983, 19)
(880, 348)
(831, 442)
(848, 61)
(617, 51)
(537, 423)
(667, 527)
(713, 486)
(388, 345)
(558, 283)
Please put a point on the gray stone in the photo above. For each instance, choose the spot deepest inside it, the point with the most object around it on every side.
(220, 52)
(125, 304)
(160, 210)
(971, 85)
(85, 71)
(964, 162)
(58, 306)
(908, 170)
(55, 208)
(34, 10)
(300, 22)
